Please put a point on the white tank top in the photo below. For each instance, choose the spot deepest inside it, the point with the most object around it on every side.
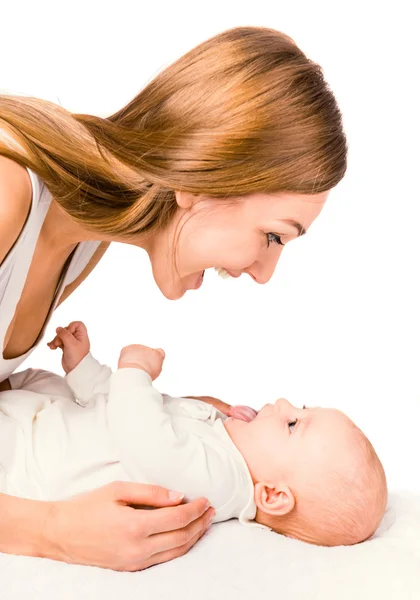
(15, 267)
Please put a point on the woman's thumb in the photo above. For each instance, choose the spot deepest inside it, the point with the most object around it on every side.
(148, 495)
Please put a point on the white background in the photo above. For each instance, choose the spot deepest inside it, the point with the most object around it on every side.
(339, 324)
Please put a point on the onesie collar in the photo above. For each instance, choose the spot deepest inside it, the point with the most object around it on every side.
(245, 509)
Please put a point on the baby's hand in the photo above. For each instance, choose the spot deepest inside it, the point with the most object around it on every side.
(74, 342)
(142, 357)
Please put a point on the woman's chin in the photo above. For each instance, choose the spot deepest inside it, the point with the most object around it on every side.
(194, 281)
(170, 292)
(175, 291)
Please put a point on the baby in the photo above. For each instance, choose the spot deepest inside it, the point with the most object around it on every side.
(307, 473)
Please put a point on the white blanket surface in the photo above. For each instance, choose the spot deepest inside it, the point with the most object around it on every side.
(236, 563)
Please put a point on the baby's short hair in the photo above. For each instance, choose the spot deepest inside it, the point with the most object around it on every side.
(346, 508)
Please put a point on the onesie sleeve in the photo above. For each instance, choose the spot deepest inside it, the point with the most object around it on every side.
(41, 382)
(151, 449)
(89, 378)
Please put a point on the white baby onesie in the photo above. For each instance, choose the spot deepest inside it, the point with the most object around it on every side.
(62, 436)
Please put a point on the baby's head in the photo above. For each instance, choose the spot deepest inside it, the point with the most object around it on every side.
(316, 476)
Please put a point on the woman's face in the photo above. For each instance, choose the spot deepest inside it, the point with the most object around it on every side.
(240, 235)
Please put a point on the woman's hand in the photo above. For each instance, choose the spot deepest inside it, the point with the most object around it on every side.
(243, 413)
(74, 342)
(101, 528)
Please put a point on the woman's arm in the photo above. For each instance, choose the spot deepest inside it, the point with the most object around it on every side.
(101, 528)
(219, 405)
(21, 525)
(15, 203)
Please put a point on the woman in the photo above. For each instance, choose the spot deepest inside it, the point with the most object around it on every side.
(221, 160)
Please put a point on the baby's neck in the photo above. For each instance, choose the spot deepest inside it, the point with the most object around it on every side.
(236, 430)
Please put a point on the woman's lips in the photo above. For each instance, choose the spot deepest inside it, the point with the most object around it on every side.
(232, 274)
(198, 281)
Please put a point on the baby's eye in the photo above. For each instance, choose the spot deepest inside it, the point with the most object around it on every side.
(291, 424)
(274, 238)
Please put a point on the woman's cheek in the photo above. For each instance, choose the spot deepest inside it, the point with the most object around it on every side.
(216, 247)
(243, 256)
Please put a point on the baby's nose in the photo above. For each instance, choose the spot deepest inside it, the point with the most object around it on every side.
(282, 403)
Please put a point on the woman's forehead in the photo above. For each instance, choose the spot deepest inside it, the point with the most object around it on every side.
(296, 210)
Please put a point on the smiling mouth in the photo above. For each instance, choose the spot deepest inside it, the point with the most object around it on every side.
(222, 272)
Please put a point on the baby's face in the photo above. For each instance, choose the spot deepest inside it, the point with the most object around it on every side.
(316, 476)
(299, 444)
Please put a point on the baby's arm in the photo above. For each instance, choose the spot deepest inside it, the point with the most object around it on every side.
(86, 380)
(150, 447)
(89, 378)
(41, 382)
(85, 375)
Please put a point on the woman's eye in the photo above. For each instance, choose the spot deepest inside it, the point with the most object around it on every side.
(292, 423)
(274, 238)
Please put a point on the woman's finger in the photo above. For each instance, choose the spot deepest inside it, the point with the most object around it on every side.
(126, 492)
(219, 405)
(167, 555)
(175, 517)
(161, 542)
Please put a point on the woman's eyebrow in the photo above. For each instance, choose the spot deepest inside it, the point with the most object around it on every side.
(300, 228)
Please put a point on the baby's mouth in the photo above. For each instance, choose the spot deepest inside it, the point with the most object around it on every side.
(243, 413)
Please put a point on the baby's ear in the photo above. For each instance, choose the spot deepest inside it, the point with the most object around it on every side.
(274, 500)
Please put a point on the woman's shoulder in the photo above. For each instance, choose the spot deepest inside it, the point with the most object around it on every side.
(15, 202)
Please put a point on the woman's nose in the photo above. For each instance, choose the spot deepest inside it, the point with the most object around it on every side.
(262, 270)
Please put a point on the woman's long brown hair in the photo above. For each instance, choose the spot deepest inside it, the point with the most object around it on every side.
(244, 112)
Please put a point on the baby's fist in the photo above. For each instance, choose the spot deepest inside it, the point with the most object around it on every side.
(74, 342)
(142, 357)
